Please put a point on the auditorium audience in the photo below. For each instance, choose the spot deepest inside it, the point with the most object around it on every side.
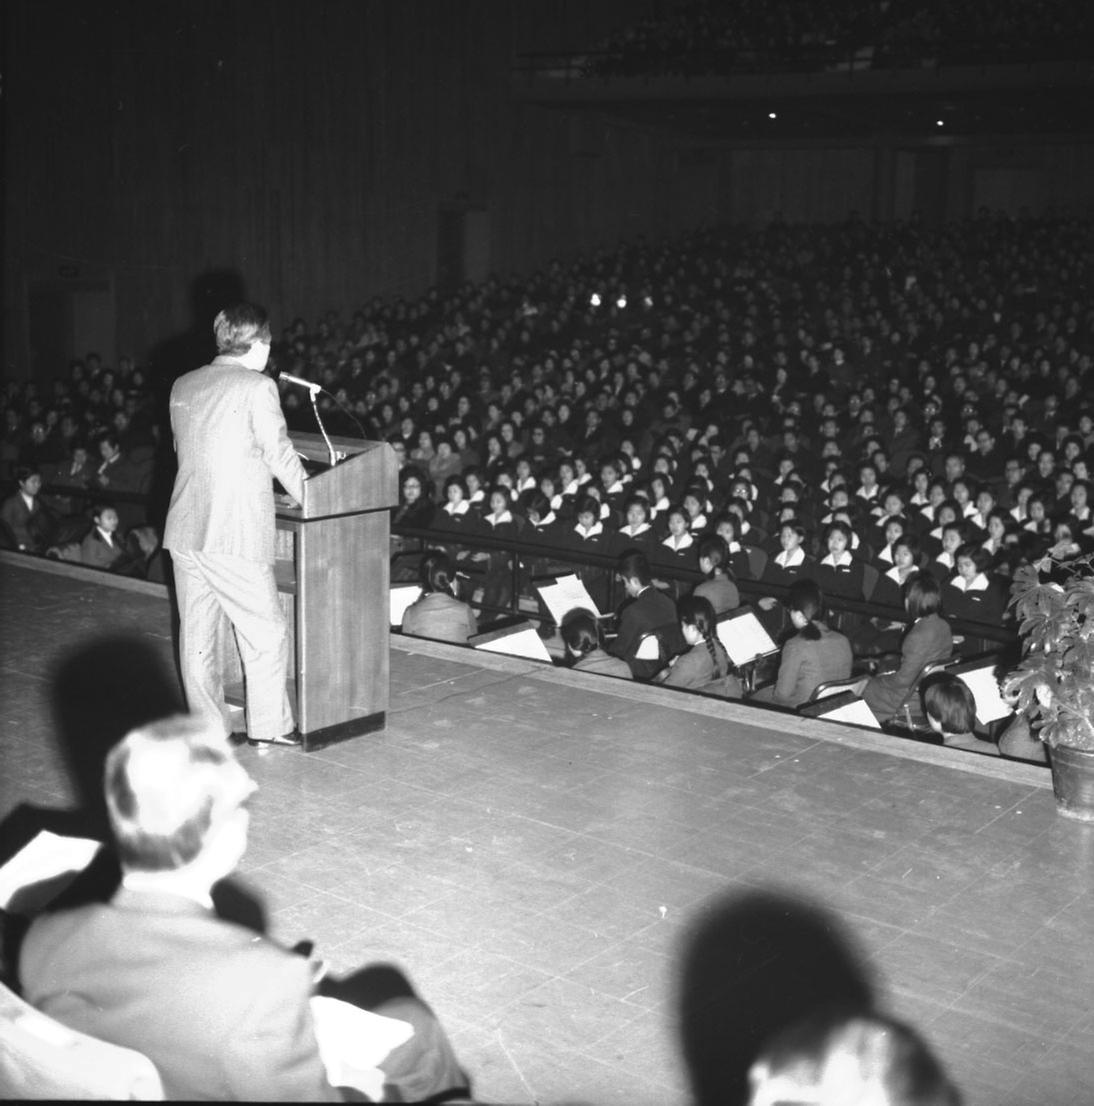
(947, 397)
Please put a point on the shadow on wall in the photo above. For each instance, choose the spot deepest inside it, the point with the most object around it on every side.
(754, 964)
(100, 691)
(210, 292)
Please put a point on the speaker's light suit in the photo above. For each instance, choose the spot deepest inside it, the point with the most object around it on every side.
(231, 439)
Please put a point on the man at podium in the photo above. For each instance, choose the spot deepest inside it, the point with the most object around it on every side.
(231, 439)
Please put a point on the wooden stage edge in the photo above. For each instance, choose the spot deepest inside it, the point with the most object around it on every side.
(727, 710)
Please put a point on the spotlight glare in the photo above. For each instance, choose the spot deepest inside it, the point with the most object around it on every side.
(594, 300)
(939, 123)
(621, 302)
(772, 115)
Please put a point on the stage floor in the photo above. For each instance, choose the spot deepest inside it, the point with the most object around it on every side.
(543, 852)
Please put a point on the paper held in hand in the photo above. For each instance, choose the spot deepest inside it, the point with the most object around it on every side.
(42, 869)
(564, 594)
(744, 637)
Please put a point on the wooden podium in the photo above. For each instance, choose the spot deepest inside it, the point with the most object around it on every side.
(332, 573)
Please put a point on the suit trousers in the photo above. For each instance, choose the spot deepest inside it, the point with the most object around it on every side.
(212, 586)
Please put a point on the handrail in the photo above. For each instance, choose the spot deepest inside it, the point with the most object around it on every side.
(752, 588)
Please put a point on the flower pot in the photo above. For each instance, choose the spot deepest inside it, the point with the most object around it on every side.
(1073, 782)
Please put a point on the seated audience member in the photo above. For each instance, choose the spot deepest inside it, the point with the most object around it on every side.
(718, 589)
(727, 527)
(951, 711)
(541, 523)
(793, 561)
(814, 655)
(415, 507)
(29, 522)
(889, 591)
(102, 547)
(499, 522)
(581, 634)
(122, 472)
(971, 594)
(222, 1012)
(839, 572)
(437, 613)
(928, 639)
(589, 536)
(146, 554)
(637, 531)
(644, 611)
(838, 1059)
(677, 547)
(705, 666)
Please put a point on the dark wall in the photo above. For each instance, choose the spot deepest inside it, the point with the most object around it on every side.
(307, 146)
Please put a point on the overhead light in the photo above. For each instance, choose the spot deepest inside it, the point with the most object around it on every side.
(939, 123)
(621, 302)
(594, 300)
(772, 115)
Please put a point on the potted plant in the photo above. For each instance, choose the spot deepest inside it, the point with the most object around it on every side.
(1054, 684)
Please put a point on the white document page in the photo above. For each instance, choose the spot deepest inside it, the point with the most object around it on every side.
(402, 595)
(44, 858)
(744, 638)
(523, 642)
(567, 593)
(990, 705)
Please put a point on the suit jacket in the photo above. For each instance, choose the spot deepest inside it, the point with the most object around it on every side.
(649, 611)
(929, 639)
(441, 617)
(30, 529)
(231, 439)
(604, 665)
(805, 664)
(94, 550)
(220, 1011)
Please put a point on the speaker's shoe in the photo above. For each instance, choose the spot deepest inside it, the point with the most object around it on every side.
(290, 738)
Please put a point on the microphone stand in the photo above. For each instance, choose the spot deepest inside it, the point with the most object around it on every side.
(312, 393)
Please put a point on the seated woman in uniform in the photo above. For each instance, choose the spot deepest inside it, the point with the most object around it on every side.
(437, 613)
(971, 594)
(839, 572)
(588, 536)
(928, 639)
(719, 587)
(706, 665)
(581, 634)
(814, 655)
(637, 531)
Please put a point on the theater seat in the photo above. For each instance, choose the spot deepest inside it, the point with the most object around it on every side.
(40, 1058)
(855, 684)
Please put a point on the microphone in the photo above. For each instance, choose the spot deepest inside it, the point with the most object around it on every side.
(301, 382)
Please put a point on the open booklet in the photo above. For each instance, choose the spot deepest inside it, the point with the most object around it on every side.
(352, 1042)
(979, 677)
(744, 637)
(402, 596)
(42, 869)
(515, 637)
(563, 594)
